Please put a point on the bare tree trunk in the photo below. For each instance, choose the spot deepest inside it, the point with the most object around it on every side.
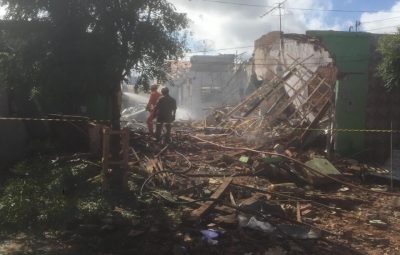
(116, 178)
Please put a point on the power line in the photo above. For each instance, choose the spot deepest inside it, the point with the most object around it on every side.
(290, 8)
(380, 28)
(222, 49)
(239, 4)
(373, 21)
(279, 6)
(236, 48)
(275, 64)
(268, 44)
(233, 48)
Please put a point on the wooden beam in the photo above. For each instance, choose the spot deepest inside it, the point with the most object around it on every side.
(106, 148)
(296, 94)
(298, 212)
(265, 90)
(316, 120)
(199, 212)
(125, 148)
(254, 198)
(220, 208)
(105, 159)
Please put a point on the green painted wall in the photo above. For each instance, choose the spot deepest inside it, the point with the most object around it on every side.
(351, 51)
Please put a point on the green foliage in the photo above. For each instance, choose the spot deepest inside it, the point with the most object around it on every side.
(26, 202)
(50, 194)
(60, 52)
(389, 68)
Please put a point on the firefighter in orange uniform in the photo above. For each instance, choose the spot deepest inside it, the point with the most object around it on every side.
(154, 96)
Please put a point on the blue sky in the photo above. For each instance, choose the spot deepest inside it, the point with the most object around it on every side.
(364, 4)
(367, 5)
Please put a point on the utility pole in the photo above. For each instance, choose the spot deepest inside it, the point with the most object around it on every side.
(280, 16)
(358, 25)
(279, 7)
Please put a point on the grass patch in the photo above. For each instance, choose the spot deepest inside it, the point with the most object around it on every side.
(45, 193)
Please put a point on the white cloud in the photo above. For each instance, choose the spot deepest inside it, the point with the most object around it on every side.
(2, 11)
(229, 26)
(383, 21)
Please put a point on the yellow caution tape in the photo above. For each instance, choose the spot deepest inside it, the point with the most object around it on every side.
(275, 129)
(342, 130)
(52, 120)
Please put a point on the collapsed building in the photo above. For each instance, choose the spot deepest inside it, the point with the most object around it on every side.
(292, 81)
(321, 83)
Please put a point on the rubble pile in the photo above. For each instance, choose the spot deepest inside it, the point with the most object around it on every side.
(247, 181)
(270, 199)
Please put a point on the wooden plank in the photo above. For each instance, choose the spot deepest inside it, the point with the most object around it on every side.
(298, 212)
(106, 148)
(199, 212)
(260, 91)
(307, 107)
(230, 219)
(105, 159)
(296, 94)
(125, 149)
(164, 177)
(153, 166)
(219, 208)
(116, 163)
(254, 198)
(316, 121)
(316, 90)
(232, 198)
(305, 209)
(135, 154)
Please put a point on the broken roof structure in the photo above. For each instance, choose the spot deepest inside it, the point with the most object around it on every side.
(296, 77)
(322, 82)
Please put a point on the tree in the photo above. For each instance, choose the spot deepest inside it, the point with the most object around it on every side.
(389, 68)
(20, 49)
(92, 45)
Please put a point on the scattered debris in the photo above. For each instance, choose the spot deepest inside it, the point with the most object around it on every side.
(210, 236)
(221, 176)
(198, 213)
(299, 231)
(255, 224)
(320, 165)
(379, 224)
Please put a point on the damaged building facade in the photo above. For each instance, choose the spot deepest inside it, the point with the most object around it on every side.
(320, 83)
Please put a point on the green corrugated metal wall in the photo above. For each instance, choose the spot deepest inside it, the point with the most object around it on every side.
(351, 51)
